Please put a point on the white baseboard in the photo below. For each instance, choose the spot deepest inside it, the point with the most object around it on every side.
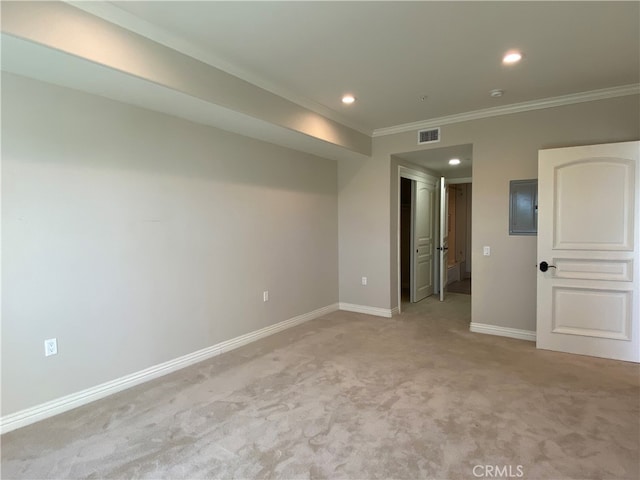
(503, 331)
(378, 312)
(59, 405)
(278, 327)
(395, 311)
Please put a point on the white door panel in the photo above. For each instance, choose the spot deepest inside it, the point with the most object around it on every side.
(443, 248)
(593, 208)
(422, 240)
(588, 233)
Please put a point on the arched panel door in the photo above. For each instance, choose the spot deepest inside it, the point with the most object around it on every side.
(588, 250)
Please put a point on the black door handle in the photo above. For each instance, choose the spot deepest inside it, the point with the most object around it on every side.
(544, 266)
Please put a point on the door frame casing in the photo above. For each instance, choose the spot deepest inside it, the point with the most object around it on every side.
(415, 175)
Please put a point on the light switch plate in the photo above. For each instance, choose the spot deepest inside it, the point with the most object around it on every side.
(50, 347)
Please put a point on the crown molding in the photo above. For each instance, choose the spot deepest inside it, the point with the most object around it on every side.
(622, 91)
(113, 14)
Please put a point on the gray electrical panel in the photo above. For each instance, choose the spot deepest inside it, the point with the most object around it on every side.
(523, 207)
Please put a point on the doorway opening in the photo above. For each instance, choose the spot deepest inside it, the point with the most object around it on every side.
(419, 250)
(405, 239)
(416, 233)
(459, 229)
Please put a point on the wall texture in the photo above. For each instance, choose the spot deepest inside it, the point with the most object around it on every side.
(135, 237)
(504, 148)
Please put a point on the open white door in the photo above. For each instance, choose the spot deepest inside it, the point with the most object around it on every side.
(588, 250)
(444, 235)
(422, 240)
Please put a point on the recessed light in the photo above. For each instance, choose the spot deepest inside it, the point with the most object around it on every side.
(497, 93)
(512, 57)
(348, 99)
(454, 161)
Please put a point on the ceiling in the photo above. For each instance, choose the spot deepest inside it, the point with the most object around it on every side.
(437, 160)
(392, 54)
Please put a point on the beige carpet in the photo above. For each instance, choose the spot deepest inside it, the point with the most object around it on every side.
(354, 396)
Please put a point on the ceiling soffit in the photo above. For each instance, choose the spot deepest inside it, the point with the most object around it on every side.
(84, 36)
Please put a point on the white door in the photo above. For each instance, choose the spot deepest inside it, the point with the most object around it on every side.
(444, 235)
(422, 239)
(588, 235)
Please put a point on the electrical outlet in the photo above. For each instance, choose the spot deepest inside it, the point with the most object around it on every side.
(50, 347)
(364, 280)
(265, 296)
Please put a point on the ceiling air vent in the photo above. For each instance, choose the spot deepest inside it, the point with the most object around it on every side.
(429, 136)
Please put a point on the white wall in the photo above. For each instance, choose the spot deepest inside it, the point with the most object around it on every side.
(363, 226)
(135, 237)
(504, 148)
